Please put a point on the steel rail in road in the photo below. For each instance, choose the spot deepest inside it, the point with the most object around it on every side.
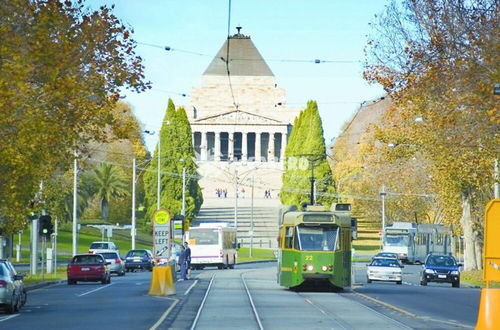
(343, 325)
(254, 309)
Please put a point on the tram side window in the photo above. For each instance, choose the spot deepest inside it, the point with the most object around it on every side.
(288, 238)
(296, 244)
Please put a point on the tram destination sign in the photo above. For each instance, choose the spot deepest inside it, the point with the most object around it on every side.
(317, 218)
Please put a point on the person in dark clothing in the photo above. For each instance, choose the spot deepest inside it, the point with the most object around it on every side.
(182, 263)
(188, 259)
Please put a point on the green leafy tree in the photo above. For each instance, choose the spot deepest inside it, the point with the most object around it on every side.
(305, 153)
(177, 152)
(108, 182)
(62, 70)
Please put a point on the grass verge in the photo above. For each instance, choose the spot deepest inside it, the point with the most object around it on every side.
(257, 254)
(475, 277)
(59, 275)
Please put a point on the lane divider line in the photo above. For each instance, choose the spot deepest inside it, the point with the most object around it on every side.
(9, 317)
(402, 311)
(164, 315)
(91, 291)
(202, 303)
(189, 289)
(257, 318)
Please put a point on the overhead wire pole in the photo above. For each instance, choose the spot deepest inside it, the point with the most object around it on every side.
(382, 196)
(75, 200)
(236, 200)
(133, 203)
(183, 210)
(159, 173)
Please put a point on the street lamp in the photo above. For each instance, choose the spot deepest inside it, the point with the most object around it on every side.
(382, 196)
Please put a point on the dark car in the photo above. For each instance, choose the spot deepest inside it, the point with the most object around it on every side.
(441, 268)
(139, 259)
(88, 268)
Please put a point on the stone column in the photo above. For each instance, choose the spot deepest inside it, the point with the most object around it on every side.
(230, 146)
(257, 147)
(244, 150)
(204, 146)
(217, 147)
(271, 148)
(283, 146)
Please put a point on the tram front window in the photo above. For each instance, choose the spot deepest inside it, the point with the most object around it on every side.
(396, 240)
(317, 238)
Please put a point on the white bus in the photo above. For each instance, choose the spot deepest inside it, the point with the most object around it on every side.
(212, 244)
(413, 242)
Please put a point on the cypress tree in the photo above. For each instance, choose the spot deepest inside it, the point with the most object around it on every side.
(306, 147)
(176, 152)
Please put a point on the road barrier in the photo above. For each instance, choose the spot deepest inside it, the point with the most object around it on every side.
(489, 307)
(162, 281)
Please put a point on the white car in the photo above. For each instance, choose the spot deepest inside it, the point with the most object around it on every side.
(384, 269)
(99, 247)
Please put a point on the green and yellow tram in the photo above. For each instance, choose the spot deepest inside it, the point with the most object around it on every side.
(315, 246)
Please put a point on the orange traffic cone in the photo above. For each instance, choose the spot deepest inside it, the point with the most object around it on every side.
(489, 310)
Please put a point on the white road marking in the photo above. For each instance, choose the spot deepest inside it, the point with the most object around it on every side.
(202, 303)
(46, 287)
(251, 303)
(8, 317)
(91, 291)
(164, 315)
(189, 289)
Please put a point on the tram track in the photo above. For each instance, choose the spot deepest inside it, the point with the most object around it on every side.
(248, 294)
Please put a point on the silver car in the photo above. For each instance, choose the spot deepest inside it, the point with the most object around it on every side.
(384, 269)
(117, 265)
(11, 295)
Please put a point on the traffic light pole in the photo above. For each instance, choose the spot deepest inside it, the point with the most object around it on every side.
(34, 247)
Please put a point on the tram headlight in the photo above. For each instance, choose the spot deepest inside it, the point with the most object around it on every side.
(324, 268)
(310, 268)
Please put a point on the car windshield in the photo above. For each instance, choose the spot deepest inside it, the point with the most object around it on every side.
(137, 253)
(103, 246)
(396, 240)
(443, 261)
(387, 255)
(87, 260)
(320, 238)
(204, 236)
(109, 255)
(385, 263)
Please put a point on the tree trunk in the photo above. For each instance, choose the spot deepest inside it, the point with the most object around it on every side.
(470, 259)
(104, 209)
(478, 246)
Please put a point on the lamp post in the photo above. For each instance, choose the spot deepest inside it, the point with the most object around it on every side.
(75, 201)
(133, 204)
(251, 220)
(382, 196)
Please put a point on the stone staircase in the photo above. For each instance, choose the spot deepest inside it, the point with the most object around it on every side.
(265, 220)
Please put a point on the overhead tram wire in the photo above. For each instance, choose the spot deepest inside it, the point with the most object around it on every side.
(227, 56)
(283, 60)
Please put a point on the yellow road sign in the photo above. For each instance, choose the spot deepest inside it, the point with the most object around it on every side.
(491, 267)
(162, 216)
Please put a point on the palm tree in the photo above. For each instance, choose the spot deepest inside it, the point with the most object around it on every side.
(108, 183)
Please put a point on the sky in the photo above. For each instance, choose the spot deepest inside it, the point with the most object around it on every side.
(282, 30)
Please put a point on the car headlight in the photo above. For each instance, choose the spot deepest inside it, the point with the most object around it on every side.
(454, 272)
(429, 271)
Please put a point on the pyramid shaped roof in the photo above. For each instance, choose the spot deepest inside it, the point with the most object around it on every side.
(244, 59)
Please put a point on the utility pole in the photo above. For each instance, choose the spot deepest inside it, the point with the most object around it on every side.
(34, 247)
(313, 182)
(236, 200)
(54, 247)
(18, 251)
(133, 204)
(251, 221)
(159, 173)
(183, 210)
(75, 201)
(382, 196)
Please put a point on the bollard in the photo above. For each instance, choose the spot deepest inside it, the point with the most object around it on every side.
(489, 317)
(162, 281)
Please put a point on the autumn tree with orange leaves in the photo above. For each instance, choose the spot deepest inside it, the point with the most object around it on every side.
(62, 68)
(439, 61)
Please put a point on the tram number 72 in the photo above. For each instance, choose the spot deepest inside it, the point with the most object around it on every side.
(309, 258)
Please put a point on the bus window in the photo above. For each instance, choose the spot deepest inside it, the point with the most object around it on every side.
(204, 236)
(318, 238)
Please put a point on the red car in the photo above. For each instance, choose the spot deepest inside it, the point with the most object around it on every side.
(88, 268)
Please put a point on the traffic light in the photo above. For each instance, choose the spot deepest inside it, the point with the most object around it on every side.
(45, 226)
